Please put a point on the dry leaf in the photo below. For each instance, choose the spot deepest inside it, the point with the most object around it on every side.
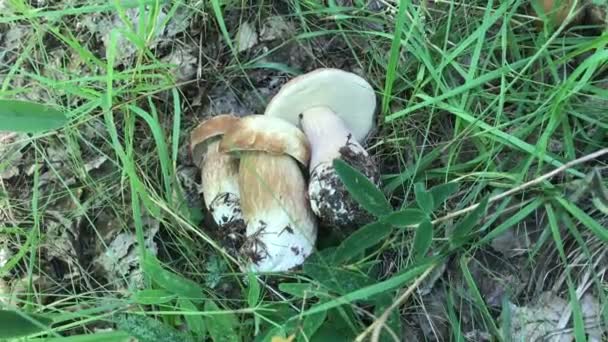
(246, 37)
(540, 321)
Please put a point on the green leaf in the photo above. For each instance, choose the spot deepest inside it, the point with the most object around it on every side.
(29, 117)
(254, 290)
(423, 239)
(312, 324)
(371, 290)
(147, 329)
(362, 239)
(196, 324)
(441, 193)
(424, 198)
(152, 297)
(362, 189)
(15, 324)
(336, 328)
(170, 281)
(405, 217)
(466, 225)
(300, 290)
(222, 326)
(333, 277)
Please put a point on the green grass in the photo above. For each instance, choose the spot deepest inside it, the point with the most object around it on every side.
(473, 101)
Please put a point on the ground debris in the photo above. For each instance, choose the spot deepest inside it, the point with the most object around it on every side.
(185, 61)
(119, 262)
(246, 37)
(164, 30)
(511, 243)
(276, 27)
(11, 144)
(62, 227)
(544, 319)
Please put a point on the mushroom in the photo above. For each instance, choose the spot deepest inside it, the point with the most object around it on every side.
(597, 14)
(557, 10)
(335, 109)
(281, 228)
(219, 178)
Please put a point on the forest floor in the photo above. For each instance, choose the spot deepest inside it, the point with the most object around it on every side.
(102, 227)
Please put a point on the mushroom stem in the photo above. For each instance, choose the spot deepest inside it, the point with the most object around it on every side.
(281, 228)
(330, 139)
(327, 134)
(219, 177)
(219, 172)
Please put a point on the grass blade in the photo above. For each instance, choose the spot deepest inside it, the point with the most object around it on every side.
(600, 231)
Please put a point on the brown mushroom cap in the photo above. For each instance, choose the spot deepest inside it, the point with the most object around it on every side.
(207, 129)
(267, 134)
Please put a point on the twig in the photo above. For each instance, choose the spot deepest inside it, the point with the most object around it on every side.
(377, 325)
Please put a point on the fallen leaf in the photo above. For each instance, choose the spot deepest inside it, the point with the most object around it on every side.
(275, 27)
(185, 62)
(246, 37)
(120, 260)
(511, 243)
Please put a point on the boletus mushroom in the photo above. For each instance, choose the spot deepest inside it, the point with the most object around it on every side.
(281, 228)
(335, 109)
(219, 178)
(557, 10)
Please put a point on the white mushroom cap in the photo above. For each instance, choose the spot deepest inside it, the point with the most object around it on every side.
(347, 95)
(281, 227)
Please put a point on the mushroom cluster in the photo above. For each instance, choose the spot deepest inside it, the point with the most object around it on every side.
(252, 167)
(253, 187)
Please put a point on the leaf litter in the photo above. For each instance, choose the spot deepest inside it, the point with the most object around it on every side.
(540, 321)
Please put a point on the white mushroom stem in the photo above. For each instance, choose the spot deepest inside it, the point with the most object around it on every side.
(219, 177)
(327, 134)
(281, 228)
